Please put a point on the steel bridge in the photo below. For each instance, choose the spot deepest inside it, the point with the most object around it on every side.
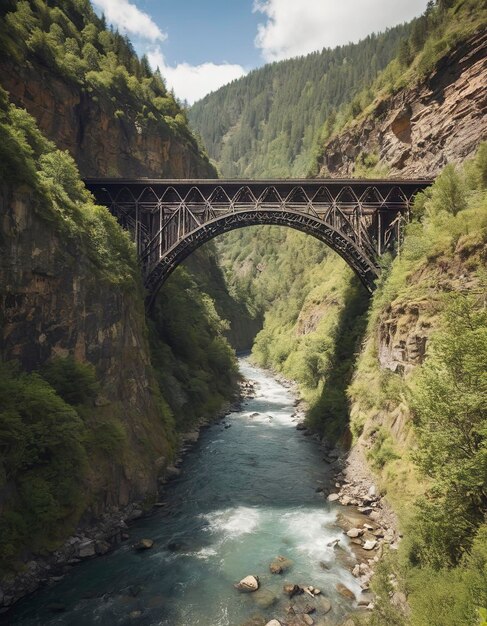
(169, 219)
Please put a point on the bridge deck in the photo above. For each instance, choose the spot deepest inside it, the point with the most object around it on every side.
(169, 218)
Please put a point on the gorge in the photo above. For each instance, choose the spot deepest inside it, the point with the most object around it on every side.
(97, 398)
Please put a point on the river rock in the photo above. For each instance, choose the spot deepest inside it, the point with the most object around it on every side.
(86, 549)
(345, 591)
(144, 544)
(355, 532)
(280, 565)
(172, 472)
(265, 598)
(301, 605)
(273, 622)
(291, 590)
(102, 547)
(369, 544)
(333, 497)
(248, 584)
(323, 604)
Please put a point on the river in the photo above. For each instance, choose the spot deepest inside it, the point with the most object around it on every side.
(247, 493)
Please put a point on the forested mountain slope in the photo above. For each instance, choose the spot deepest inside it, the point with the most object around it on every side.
(266, 123)
(92, 399)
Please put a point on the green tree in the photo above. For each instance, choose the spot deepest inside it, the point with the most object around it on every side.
(450, 405)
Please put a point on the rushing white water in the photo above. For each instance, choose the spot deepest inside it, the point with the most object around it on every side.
(247, 493)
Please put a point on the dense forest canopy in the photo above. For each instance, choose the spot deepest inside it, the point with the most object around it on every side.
(266, 123)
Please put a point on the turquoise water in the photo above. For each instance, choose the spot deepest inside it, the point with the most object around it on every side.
(246, 494)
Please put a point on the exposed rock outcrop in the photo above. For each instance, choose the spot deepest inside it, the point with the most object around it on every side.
(403, 336)
(101, 142)
(419, 129)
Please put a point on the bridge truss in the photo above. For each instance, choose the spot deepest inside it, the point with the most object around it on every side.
(169, 219)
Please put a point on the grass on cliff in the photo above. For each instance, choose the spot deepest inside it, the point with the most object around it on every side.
(44, 458)
(431, 452)
(195, 366)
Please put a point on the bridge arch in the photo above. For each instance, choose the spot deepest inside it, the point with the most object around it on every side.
(169, 219)
(357, 258)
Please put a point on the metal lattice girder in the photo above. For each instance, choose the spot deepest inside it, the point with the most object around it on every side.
(169, 219)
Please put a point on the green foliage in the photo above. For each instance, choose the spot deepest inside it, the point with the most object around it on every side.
(369, 166)
(108, 436)
(382, 450)
(195, 366)
(452, 596)
(266, 123)
(74, 43)
(75, 382)
(28, 158)
(313, 310)
(450, 405)
(448, 194)
(441, 270)
(42, 460)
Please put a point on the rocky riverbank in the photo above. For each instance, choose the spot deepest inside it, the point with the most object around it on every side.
(111, 529)
(368, 523)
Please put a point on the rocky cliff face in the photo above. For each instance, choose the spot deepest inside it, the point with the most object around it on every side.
(54, 304)
(403, 332)
(418, 130)
(102, 142)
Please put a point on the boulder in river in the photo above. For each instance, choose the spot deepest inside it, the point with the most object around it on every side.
(355, 532)
(370, 544)
(333, 497)
(345, 591)
(273, 622)
(291, 590)
(144, 544)
(323, 604)
(172, 472)
(265, 598)
(280, 565)
(248, 584)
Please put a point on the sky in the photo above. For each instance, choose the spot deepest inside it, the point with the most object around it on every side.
(200, 46)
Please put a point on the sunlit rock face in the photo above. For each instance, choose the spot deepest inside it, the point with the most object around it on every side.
(418, 130)
(105, 138)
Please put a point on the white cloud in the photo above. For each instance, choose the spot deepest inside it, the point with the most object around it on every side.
(193, 82)
(129, 19)
(295, 27)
